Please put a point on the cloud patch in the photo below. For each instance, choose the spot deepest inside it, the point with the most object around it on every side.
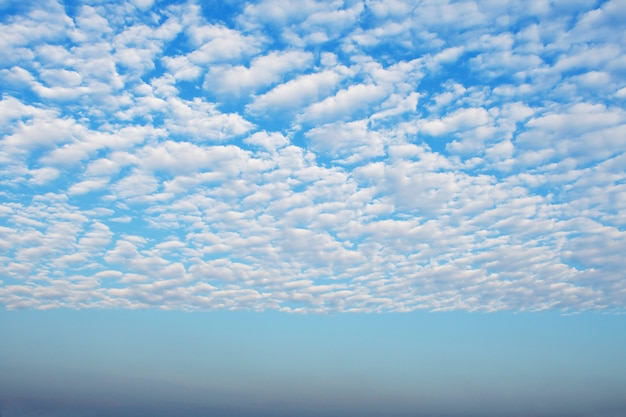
(313, 156)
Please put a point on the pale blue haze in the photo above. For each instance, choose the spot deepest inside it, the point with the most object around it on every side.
(414, 364)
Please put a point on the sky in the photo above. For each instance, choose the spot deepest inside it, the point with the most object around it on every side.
(337, 208)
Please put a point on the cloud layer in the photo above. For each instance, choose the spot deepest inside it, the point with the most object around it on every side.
(334, 156)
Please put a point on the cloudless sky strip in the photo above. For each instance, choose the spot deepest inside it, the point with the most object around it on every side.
(269, 363)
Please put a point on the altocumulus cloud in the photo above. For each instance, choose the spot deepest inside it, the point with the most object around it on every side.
(336, 156)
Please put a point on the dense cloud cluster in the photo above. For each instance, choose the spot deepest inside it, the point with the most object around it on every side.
(313, 156)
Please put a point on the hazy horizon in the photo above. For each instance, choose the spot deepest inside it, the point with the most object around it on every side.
(242, 364)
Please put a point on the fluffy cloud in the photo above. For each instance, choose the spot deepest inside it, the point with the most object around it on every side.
(263, 71)
(295, 93)
(313, 156)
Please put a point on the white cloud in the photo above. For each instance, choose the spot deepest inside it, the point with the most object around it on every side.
(184, 157)
(38, 26)
(314, 156)
(263, 71)
(44, 131)
(86, 186)
(281, 12)
(268, 141)
(327, 23)
(385, 9)
(143, 4)
(202, 121)
(137, 184)
(344, 103)
(346, 142)
(90, 25)
(43, 175)
(462, 119)
(587, 57)
(295, 93)
(583, 131)
(182, 68)
(61, 77)
(218, 43)
(621, 93)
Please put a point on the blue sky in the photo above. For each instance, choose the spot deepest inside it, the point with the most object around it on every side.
(378, 164)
